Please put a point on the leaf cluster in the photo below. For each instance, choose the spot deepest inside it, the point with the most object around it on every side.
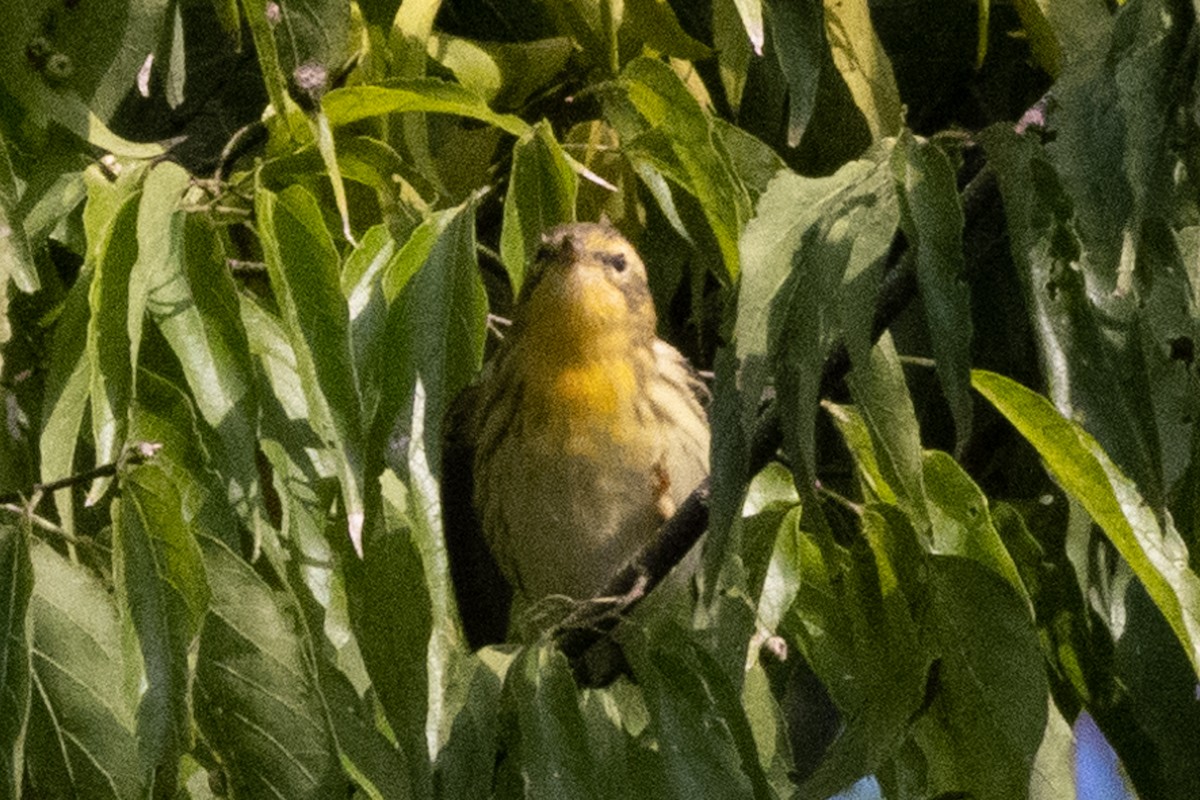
(947, 260)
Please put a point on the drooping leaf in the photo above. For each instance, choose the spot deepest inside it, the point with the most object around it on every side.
(881, 397)
(554, 755)
(258, 700)
(961, 521)
(436, 326)
(864, 64)
(1090, 374)
(305, 270)
(932, 220)
(110, 218)
(1149, 544)
(855, 620)
(674, 135)
(989, 708)
(66, 396)
(812, 255)
(655, 23)
(16, 259)
(15, 665)
(541, 194)
(160, 579)
(83, 733)
(695, 711)
(391, 615)
(798, 31)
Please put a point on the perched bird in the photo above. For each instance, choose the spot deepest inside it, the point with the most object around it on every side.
(580, 438)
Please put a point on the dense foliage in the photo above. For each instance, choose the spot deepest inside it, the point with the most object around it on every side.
(942, 258)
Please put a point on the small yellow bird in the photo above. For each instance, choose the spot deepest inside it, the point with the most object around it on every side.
(584, 433)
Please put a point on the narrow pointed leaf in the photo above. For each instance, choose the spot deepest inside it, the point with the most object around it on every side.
(541, 194)
(16, 578)
(258, 700)
(1150, 544)
(304, 270)
(82, 739)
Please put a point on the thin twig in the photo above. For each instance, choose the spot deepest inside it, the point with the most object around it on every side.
(135, 453)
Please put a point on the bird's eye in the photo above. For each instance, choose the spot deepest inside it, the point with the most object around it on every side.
(614, 260)
(545, 252)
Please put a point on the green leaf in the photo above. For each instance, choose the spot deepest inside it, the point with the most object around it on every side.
(554, 757)
(541, 194)
(706, 744)
(1052, 776)
(16, 259)
(391, 613)
(269, 61)
(751, 13)
(436, 327)
(164, 414)
(676, 136)
(864, 65)
(655, 23)
(66, 396)
(857, 437)
(1093, 374)
(192, 299)
(467, 762)
(961, 522)
(881, 397)
(160, 579)
(798, 31)
(258, 701)
(812, 258)
(932, 220)
(305, 270)
(1062, 33)
(735, 51)
(353, 103)
(323, 134)
(375, 764)
(1151, 546)
(989, 710)
(111, 222)
(505, 74)
(853, 620)
(15, 664)
(83, 737)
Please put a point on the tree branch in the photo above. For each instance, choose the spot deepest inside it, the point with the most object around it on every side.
(135, 453)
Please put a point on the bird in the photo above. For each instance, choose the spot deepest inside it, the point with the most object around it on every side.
(583, 433)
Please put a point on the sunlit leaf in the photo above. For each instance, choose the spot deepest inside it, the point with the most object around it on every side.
(541, 194)
(1150, 545)
(258, 701)
(83, 736)
(110, 218)
(305, 271)
(160, 579)
(865, 67)
(15, 665)
(429, 95)
(677, 138)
